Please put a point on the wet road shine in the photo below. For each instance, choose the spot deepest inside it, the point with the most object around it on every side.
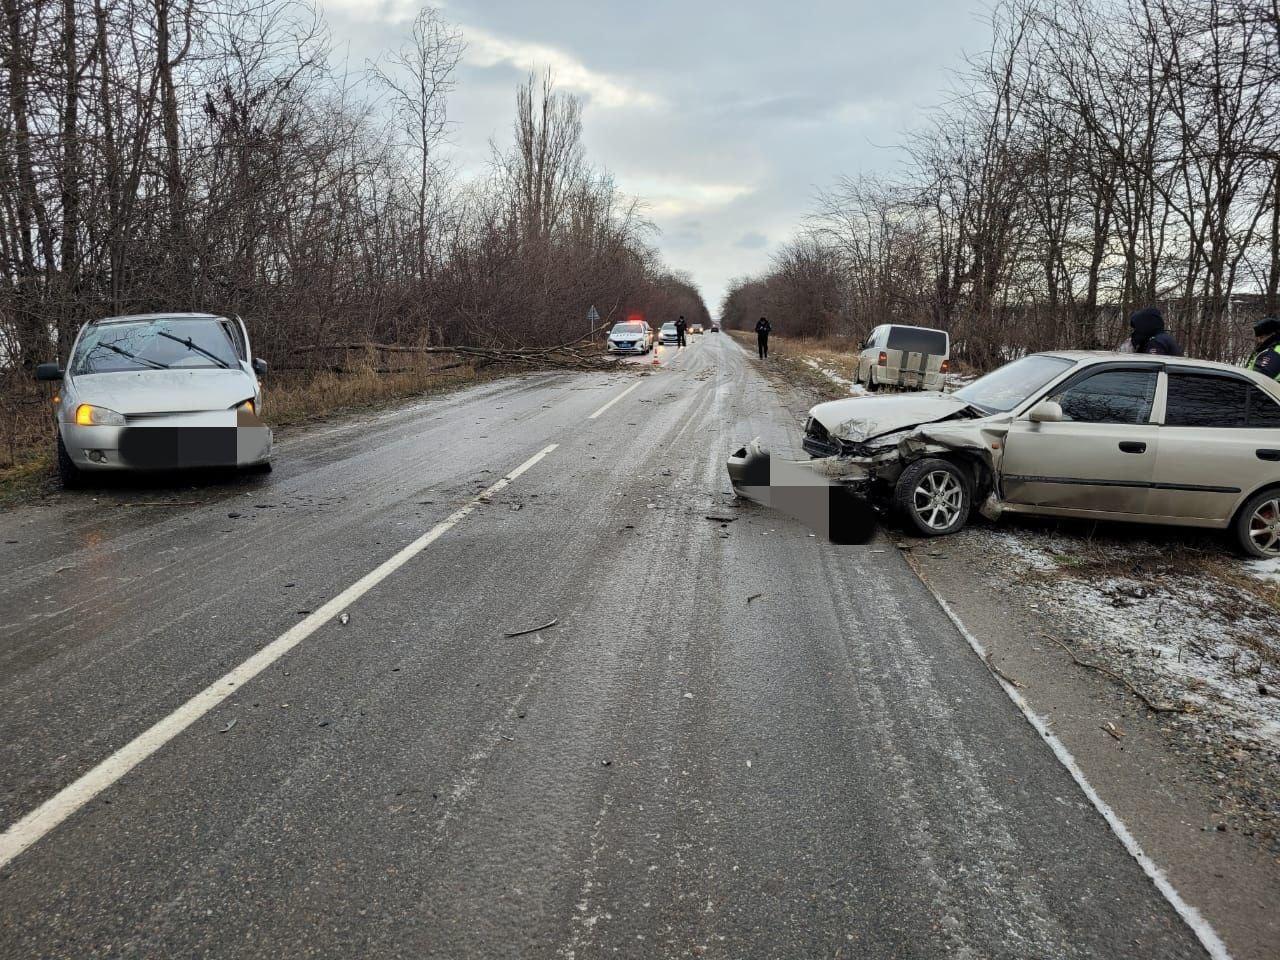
(669, 770)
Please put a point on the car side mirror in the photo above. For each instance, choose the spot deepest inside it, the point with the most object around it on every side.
(1047, 411)
(260, 366)
(48, 371)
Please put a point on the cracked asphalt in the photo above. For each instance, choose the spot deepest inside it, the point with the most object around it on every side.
(670, 770)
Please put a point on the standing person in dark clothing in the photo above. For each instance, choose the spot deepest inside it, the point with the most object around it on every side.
(762, 337)
(1149, 335)
(1265, 359)
(681, 326)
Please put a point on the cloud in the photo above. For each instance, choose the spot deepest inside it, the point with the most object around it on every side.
(486, 49)
(751, 240)
(667, 197)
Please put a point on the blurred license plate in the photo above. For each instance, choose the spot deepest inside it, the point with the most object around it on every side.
(159, 448)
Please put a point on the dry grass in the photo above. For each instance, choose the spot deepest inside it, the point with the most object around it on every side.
(299, 397)
(290, 398)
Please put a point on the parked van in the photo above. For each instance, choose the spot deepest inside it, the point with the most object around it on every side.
(912, 358)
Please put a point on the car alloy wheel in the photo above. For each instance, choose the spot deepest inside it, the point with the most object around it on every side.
(1264, 526)
(938, 499)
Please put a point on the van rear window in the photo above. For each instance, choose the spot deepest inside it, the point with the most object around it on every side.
(918, 340)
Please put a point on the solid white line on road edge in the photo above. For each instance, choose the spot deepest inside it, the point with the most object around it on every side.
(67, 801)
(614, 400)
(1201, 927)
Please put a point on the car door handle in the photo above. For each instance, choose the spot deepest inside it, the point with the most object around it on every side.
(1133, 446)
(1268, 454)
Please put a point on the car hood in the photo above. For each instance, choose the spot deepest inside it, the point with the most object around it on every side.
(165, 391)
(863, 418)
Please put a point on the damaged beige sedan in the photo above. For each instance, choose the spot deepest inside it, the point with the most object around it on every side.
(1073, 434)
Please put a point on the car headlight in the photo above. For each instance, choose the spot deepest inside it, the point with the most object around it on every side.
(247, 406)
(87, 415)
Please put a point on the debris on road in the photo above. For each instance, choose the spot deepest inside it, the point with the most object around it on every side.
(229, 725)
(1112, 729)
(720, 519)
(754, 596)
(344, 619)
(520, 633)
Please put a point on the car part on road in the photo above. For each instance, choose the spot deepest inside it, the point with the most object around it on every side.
(800, 491)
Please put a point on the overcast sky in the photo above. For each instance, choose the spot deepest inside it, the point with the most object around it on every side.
(726, 117)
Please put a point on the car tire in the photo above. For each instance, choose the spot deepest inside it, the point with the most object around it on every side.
(71, 476)
(934, 497)
(1257, 525)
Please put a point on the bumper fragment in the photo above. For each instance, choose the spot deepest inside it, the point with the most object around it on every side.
(806, 491)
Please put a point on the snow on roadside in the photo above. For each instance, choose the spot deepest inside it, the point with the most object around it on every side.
(1179, 638)
(1265, 570)
(855, 389)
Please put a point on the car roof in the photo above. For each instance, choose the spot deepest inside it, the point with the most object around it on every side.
(176, 315)
(1112, 356)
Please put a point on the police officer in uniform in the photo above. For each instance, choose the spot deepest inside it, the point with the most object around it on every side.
(1266, 358)
(1149, 334)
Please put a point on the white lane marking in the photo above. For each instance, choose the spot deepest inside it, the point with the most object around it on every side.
(1201, 927)
(614, 400)
(71, 798)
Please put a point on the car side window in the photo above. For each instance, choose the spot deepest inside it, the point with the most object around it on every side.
(1111, 396)
(1206, 400)
(1263, 411)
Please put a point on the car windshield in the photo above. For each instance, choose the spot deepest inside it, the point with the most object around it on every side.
(917, 340)
(628, 329)
(668, 326)
(1003, 389)
(156, 344)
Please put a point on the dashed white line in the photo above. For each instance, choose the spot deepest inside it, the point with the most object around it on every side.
(614, 400)
(46, 817)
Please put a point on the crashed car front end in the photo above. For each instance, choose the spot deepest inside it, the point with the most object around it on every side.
(868, 443)
(859, 450)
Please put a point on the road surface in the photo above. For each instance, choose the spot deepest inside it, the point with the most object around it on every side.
(737, 740)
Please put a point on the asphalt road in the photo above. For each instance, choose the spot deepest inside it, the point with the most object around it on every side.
(673, 769)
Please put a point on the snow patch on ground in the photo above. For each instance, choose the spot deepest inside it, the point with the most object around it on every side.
(1179, 639)
(855, 389)
(954, 381)
(1265, 570)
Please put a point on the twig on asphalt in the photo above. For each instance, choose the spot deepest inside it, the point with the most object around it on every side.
(521, 633)
(1001, 674)
(754, 596)
(1151, 704)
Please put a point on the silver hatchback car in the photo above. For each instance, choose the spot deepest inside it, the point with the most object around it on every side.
(1071, 434)
(159, 392)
